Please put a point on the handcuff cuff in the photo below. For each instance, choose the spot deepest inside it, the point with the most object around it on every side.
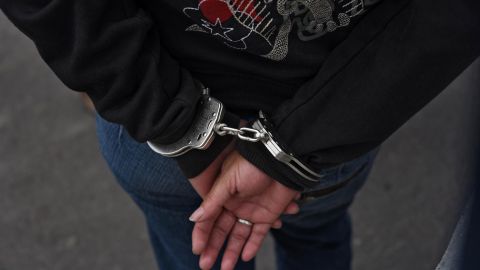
(207, 124)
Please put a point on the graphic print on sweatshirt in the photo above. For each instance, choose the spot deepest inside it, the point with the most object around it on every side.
(262, 27)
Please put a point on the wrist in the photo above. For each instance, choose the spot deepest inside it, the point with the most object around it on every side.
(275, 159)
(259, 156)
(196, 161)
(199, 146)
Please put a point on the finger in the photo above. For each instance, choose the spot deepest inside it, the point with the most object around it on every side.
(259, 232)
(258, 213)
(236, 241)
(213, 203)
(260, 210)
(277, 224)
(272, 203)
(200, 234)
(292, 209)
(220, 231)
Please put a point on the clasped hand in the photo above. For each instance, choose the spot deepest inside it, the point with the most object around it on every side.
(233, 188)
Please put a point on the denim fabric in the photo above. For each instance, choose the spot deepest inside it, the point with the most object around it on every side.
(316, 238)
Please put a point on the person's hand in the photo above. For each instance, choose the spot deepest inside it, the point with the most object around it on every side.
(204, 181)
(202, 185)
(247, 193)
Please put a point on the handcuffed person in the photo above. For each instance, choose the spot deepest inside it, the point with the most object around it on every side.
(333, 79)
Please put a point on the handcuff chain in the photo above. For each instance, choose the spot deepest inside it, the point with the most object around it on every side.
(244, 133)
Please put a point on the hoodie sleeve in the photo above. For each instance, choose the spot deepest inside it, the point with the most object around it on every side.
(396, 59)
(111, 50)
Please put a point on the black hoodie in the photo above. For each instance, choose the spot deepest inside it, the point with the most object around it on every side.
(337, 77)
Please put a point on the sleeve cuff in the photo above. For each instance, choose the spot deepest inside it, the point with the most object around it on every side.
(258, 155)
(196, 161)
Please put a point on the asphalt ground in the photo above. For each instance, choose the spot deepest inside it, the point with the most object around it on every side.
(60, 207)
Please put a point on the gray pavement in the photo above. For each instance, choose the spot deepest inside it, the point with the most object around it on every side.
(60, 207)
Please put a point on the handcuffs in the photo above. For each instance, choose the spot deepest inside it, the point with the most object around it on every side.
(207, 124)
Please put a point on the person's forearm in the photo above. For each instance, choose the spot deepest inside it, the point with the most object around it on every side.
(397, 59)
(112, 50)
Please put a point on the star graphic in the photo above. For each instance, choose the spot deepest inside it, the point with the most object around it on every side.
(217, 29)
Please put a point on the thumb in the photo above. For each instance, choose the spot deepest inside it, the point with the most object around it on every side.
(213, 203)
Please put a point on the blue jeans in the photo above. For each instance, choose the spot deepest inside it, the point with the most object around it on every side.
(316, 238)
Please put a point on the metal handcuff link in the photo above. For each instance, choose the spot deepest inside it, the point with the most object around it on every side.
(207, 124)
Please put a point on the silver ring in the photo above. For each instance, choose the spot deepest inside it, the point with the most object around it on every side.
(244, 222)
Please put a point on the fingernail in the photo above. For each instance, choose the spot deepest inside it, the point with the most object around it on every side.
(296, 209)
(227, 265)
(205, 262)
(197, 214)
(246, 257)
(195, 249)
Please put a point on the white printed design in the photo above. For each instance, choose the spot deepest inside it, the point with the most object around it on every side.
(262, 27)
